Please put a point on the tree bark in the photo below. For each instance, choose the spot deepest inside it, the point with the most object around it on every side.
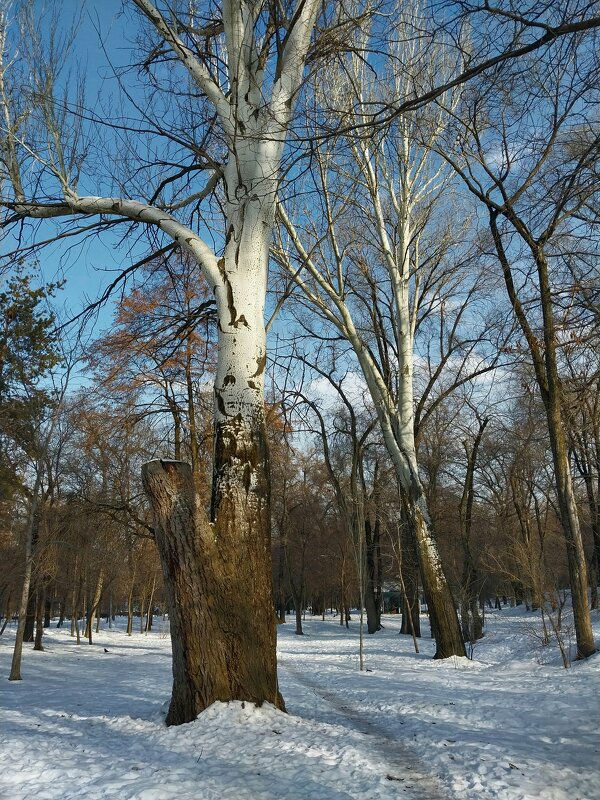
(30, 534)
(372, 605)
(472, 624)
(443, 616)
(94, 605)
(409, 574)
(221, 613)
(39, 621)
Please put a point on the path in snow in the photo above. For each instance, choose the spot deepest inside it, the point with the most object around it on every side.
(400, 763)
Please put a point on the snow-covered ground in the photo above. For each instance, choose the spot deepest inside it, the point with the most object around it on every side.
(510, 725)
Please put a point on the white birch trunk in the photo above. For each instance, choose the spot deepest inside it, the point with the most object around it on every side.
(260, 75)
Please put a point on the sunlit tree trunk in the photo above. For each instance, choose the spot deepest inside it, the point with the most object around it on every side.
(206, 664)
(249, 91)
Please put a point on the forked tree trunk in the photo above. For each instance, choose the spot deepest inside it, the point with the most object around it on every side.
(218, 571)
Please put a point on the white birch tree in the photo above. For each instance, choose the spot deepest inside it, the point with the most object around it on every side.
(244, 69)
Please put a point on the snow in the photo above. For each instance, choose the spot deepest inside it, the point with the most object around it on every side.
(511, 724)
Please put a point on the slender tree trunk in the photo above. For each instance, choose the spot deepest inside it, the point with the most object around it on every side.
(150, 614)
(130, 605)
(29, 632)
(74, 596)
(94, 605)
(371, 601)
(281, 594)
(397, 426)
(587, 468)
(546, 371)
(298, 610)
(39, 621)
(562, 470)
(30, 531)
(6, 613)
(61, 612)
(471, 620)
(343, 589)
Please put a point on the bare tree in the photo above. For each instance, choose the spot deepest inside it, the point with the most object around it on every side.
(376, 269)
(244, 70)
(513, 158)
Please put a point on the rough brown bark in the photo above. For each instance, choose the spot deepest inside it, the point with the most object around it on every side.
(443, 617)
(409, 573)
(219, 598)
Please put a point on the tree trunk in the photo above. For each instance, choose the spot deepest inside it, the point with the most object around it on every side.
(548, 379)
(29, 631)
(281, 593)
(130, 605)
(150, 613)
(397, 426)
(61, 613)
(552, 397)
(220, 634)
(443, 617)
(409, 574)
(472, 626)
(30, 536)
(39, 622)
(6, 613)
(298, 610)
(371, 600)
(94, 606)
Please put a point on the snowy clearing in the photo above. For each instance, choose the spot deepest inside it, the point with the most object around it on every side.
(85, 723)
